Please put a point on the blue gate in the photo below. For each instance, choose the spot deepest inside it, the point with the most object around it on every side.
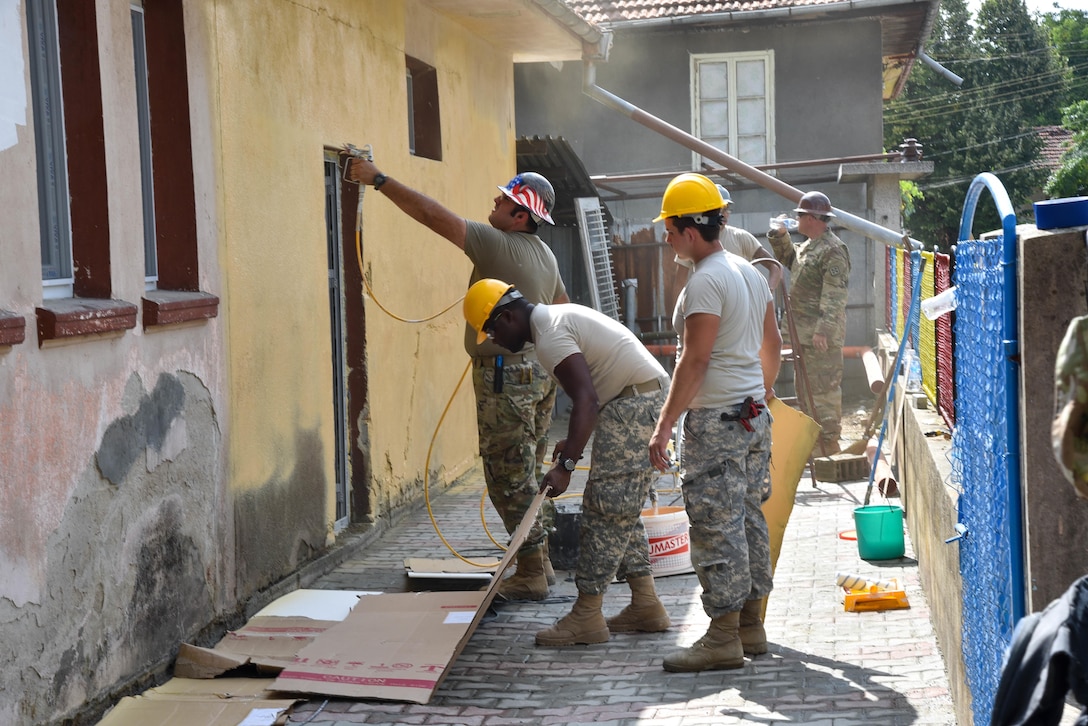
(986, 444)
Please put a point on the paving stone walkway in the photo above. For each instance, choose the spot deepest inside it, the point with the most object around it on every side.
(825, 666)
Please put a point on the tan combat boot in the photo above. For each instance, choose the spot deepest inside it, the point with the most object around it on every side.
(752, 635)
(528, 581)
(583, 625)
(719, 649)
(645, 614)
(549, 571)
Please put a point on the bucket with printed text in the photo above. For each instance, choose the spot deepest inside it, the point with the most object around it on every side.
(670, 546)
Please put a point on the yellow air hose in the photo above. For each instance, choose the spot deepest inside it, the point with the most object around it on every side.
(427, 465)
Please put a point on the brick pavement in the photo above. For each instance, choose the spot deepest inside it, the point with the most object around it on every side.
(825, 666)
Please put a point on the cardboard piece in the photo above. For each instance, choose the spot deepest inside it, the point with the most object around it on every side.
(450, 568)
(273, 636)
(219, 702)
(238, 689)
(143, 711)
(315, 604)
(397, 646)
(268, 642)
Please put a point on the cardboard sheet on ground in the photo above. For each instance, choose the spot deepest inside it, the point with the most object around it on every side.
(397, 646)
(315, 604)
(793, 435)
(451, 568)
(273, 636)
(218, 702)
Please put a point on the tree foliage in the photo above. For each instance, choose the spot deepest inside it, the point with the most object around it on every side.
(1068, 30)
(1012, 81)
(1071, 177)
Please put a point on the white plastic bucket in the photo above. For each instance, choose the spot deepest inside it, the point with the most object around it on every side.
(670, 546)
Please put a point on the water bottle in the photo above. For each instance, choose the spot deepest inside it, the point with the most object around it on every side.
(784, 222)
(936, 306)
(912, 366)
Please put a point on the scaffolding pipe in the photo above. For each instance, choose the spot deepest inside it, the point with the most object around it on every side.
(630, 305)
(848, 220)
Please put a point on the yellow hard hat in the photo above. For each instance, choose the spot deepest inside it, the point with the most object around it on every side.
(482, 299)
(689, 194)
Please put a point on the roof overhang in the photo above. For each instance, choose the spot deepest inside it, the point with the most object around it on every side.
(531, 31)
(554, 157)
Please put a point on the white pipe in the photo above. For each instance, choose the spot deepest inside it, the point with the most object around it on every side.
(956, 80)
(848, 220)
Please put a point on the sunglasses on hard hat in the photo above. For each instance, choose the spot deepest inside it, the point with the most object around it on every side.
(489, 326)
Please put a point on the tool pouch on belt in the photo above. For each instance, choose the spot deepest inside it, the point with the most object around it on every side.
(519, 374)
(749, 409)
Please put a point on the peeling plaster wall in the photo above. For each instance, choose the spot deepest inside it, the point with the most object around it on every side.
(114, 533)
(127, 572)
(152, 481)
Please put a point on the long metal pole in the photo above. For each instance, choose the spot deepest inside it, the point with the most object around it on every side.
(636, 114)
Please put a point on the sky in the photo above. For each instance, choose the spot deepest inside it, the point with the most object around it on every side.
(1043, 6)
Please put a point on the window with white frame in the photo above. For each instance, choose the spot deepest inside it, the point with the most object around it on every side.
(56, 230)
(733, 104)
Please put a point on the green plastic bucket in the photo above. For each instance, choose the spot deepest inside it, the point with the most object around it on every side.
(880, 531)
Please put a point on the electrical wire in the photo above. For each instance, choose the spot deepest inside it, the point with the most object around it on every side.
(427, 478)
(445, 410)
(364, 153)
(366, 283)
(909, 113)
(985, 89)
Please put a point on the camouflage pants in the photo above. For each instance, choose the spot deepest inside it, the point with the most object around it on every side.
(824, 369)
(726, 479)
(612, 539)
(513, 430)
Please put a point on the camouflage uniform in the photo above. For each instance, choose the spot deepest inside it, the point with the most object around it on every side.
(513, 433)
(819, 286)
(1069, 429)
(612, 540)
(513, 424)
(726, 479)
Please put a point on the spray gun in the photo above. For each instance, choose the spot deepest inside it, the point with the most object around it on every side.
(366, 152)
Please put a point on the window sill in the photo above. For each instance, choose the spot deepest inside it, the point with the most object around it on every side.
(12, 328)
(77, 316)
(169, 307)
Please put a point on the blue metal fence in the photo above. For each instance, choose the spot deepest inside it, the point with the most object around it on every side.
(985, 445)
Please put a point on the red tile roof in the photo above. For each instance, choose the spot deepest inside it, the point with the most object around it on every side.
(1056, 141)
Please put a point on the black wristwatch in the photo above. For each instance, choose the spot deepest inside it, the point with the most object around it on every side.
(567, 463)
(379, 179)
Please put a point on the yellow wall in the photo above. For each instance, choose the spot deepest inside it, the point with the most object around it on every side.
(289, 82)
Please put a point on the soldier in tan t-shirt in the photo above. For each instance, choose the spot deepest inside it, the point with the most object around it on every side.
(514, 394)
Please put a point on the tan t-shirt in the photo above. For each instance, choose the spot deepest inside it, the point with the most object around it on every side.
(616, 358)
(727, 286)
(520, 258)
(740, 242)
